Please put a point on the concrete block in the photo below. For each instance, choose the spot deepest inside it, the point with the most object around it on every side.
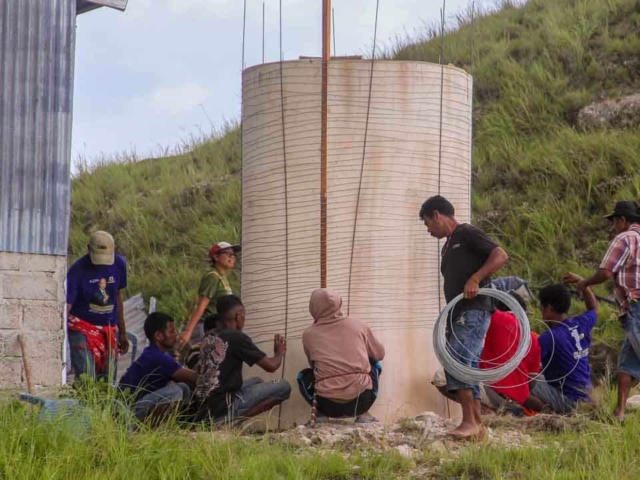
(42, 316)
(10, 372)
(45, 372)
(9, 346)
(11, 312)
(30, 286)
(31, 304)
(44, 346)
(28, 262)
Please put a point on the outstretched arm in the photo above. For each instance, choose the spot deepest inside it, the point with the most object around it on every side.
(203, 303)
(186, 375)
(590, 301)
(601, 276)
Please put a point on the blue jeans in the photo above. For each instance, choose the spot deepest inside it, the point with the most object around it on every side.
(170, 393)
(629, 357)
(465, 339)
(255, 390)
(82, 359)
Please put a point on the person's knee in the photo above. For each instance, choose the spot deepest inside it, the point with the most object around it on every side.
(283, 390)
(186, 391)
(173, 392)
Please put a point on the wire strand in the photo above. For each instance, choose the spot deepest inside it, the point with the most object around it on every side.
(286, 206)
(244, 30)
(364, 154)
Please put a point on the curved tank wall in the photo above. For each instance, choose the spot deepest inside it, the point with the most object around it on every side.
(418, 144)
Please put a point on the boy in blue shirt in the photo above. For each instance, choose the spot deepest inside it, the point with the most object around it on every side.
(565, 348)
(156, 379)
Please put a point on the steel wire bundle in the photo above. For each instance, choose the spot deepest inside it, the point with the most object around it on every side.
(473, 375)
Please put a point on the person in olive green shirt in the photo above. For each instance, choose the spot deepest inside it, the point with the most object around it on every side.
(213, 285)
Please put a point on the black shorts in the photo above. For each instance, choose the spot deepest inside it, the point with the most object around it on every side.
(339, 409)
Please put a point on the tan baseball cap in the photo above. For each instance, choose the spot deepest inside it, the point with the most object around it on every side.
(102, 248)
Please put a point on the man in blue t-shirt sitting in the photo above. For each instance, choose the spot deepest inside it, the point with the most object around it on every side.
(156, 379)
(565, 348)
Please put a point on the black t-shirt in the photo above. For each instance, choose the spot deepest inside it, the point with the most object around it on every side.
(219, 369)
(466, 250)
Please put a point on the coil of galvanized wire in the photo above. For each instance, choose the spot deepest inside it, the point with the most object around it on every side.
(469, 374)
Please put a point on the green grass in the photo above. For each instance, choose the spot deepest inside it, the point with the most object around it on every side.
(32, 449)
(601, 451)
(589, 446)
(540, 184)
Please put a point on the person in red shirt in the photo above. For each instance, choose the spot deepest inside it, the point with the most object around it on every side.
(500, 345)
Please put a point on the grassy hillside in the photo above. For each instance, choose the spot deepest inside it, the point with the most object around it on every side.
(164, 214)
(540, 184)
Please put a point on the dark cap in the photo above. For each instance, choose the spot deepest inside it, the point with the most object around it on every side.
(627, 209)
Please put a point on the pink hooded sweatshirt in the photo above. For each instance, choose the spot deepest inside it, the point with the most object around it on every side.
(339, 347)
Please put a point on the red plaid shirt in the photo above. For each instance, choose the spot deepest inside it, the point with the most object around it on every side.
(622, 259)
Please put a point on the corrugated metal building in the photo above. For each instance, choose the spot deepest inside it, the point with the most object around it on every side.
(37, 49)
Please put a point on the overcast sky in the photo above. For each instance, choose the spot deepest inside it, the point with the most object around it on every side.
(145, 78)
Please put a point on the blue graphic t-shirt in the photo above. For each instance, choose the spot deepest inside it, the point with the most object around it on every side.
(92, 289)
(150, 372)
(565, 355)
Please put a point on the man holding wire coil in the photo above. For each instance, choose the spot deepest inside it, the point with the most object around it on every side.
(468, 259)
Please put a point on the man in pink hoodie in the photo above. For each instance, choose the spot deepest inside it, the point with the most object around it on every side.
(344, 355)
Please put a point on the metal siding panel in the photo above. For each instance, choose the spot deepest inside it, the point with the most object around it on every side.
(37, 47)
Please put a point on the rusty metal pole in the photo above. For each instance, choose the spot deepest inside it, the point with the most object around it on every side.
(326, 55)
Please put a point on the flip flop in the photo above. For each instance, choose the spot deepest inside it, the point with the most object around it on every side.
(366, 420)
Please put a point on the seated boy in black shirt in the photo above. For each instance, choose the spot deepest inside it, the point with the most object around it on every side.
(220, 390)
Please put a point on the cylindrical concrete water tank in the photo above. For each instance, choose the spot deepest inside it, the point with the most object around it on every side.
(418, 144)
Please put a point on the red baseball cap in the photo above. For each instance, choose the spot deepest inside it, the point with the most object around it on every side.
(215, 249)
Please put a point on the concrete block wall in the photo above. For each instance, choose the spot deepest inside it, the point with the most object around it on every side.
(32, 302)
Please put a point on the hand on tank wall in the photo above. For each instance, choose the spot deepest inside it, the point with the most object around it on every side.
(279, 345)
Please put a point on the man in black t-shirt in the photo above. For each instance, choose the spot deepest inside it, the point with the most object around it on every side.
(468, 259)
(220, 389)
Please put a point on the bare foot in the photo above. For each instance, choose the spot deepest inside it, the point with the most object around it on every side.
(466, 430)
(619, 416)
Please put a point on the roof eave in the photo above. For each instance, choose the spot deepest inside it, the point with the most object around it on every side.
(84, 6)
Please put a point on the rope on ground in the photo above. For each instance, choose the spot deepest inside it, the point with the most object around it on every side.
(468, 374)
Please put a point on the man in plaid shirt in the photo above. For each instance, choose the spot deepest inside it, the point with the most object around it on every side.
(622, 263)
